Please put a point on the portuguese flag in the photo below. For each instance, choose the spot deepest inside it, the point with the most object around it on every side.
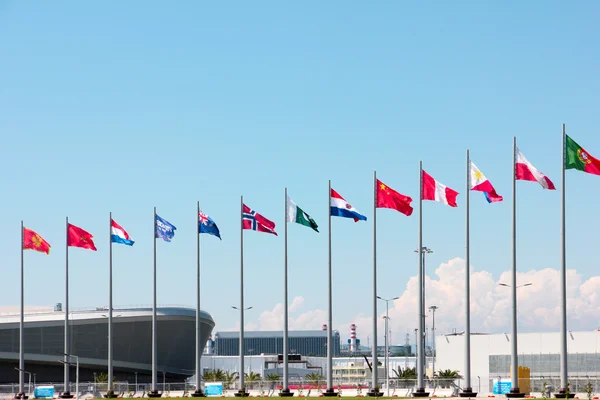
(578, 158)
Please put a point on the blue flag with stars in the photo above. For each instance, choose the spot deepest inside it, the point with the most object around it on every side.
(164, 229)
(207, 225)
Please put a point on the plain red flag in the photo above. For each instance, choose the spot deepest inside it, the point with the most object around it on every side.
(33, 241)
(77, 237)
(389, 198)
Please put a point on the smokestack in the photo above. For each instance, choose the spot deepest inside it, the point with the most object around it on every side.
(353, 338)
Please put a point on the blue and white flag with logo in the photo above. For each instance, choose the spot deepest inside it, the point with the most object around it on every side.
(164, 229)
(207, 225)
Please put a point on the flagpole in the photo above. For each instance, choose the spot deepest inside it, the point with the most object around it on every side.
(21, 394)
(286, 391)
(110, 310)
(563, 279)
(375, 381)
(468, 391)
(198, 392)
(154, 392)
(420, 390)
(242, 390)
(66, 390)
(330, 391)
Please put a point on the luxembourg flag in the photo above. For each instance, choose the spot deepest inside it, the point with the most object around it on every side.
(341, 208)
(118, 234)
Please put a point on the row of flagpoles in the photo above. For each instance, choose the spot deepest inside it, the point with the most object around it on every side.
(574, 157)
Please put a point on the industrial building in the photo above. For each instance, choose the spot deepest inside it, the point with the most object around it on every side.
(132, 343)
(306, 343)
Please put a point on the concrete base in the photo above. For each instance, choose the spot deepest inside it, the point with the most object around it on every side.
(286, 393)
(330, 393)
(111, 395)
(153, 394)
(420, 393)
(467, 392)
(21, 396)
(562, 394)
(198, 393)
(66, 395)
(241, 393)
(515, 393)
(375, 393)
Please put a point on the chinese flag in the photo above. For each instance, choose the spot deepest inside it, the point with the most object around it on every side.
(389, 198)
(77, 237)
(33, 241)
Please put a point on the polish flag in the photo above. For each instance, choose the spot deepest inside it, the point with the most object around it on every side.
(524, 171)
(435, 191)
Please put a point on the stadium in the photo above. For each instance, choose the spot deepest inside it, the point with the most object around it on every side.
(132, 343)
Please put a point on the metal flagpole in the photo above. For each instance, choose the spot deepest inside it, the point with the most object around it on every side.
(242, 391)
(330, 392)
(468, 391)
(154, 392)
(21, 327)
(563, 277)
(198, 392)
(514, 362)
(66, 391)
(375, 384)
(420, 390)
(286, 390)
(110, 309)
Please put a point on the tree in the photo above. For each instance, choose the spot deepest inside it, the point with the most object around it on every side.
(272, 379)
(102, 377)
(314, 378)
(228, 378)
(447, 376)
(406, 377)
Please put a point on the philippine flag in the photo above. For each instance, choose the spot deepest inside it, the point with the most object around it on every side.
(341, 208)
(118, 234)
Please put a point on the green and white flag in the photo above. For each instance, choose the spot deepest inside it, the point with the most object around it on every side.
(295, 214)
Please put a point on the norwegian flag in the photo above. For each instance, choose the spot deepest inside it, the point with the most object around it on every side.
(253, 221)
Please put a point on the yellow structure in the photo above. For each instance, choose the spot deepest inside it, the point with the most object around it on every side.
(524, 379)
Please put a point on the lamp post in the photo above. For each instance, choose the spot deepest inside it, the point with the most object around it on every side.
(242, 391)
(424, 250)
(387, 359)
(67, 363)
(433, 308)
(28, 390)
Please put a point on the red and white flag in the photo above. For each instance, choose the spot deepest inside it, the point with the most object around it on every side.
(524, 171)
(253, 221)
(435, 191)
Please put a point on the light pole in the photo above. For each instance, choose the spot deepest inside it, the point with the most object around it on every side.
(67, 363)
(242, 391)
(424, 250)
(28, 390)
(387, 359)
(433, 308)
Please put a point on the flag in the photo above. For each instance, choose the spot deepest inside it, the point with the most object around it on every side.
(480, 183)
(33, 241)
(77, 237)
(297, 215)
(389, 198)
(341, 208)
(119, 235)
(253, 221)
(435, 191)
(164, 229)
(207, 225)
(524, 171)
(578, 158)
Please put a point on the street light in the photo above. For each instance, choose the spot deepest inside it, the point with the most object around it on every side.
(518, 286)
(76, 373)
(28, 373)
(245, 309)
(433, 308)
(387, 359)
(424, 250)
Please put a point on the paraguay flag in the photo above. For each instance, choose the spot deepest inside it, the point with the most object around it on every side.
(341, 208)
(118, 234)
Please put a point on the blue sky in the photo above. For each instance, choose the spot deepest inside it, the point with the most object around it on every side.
(125, 106)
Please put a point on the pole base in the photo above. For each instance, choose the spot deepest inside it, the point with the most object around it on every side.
(562, 394)
(154, 394)
(21, 396)
(515, 393)
(420, 392)
(286, 393)
(375, 393)
(198, 393)
(467, 392)
(66, 395)
(241, 393)
(112, 395)
(330, 393)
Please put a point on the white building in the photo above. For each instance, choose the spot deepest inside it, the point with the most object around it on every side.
(490, 358)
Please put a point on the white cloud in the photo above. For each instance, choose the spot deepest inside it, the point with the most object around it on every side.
(538, 304)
